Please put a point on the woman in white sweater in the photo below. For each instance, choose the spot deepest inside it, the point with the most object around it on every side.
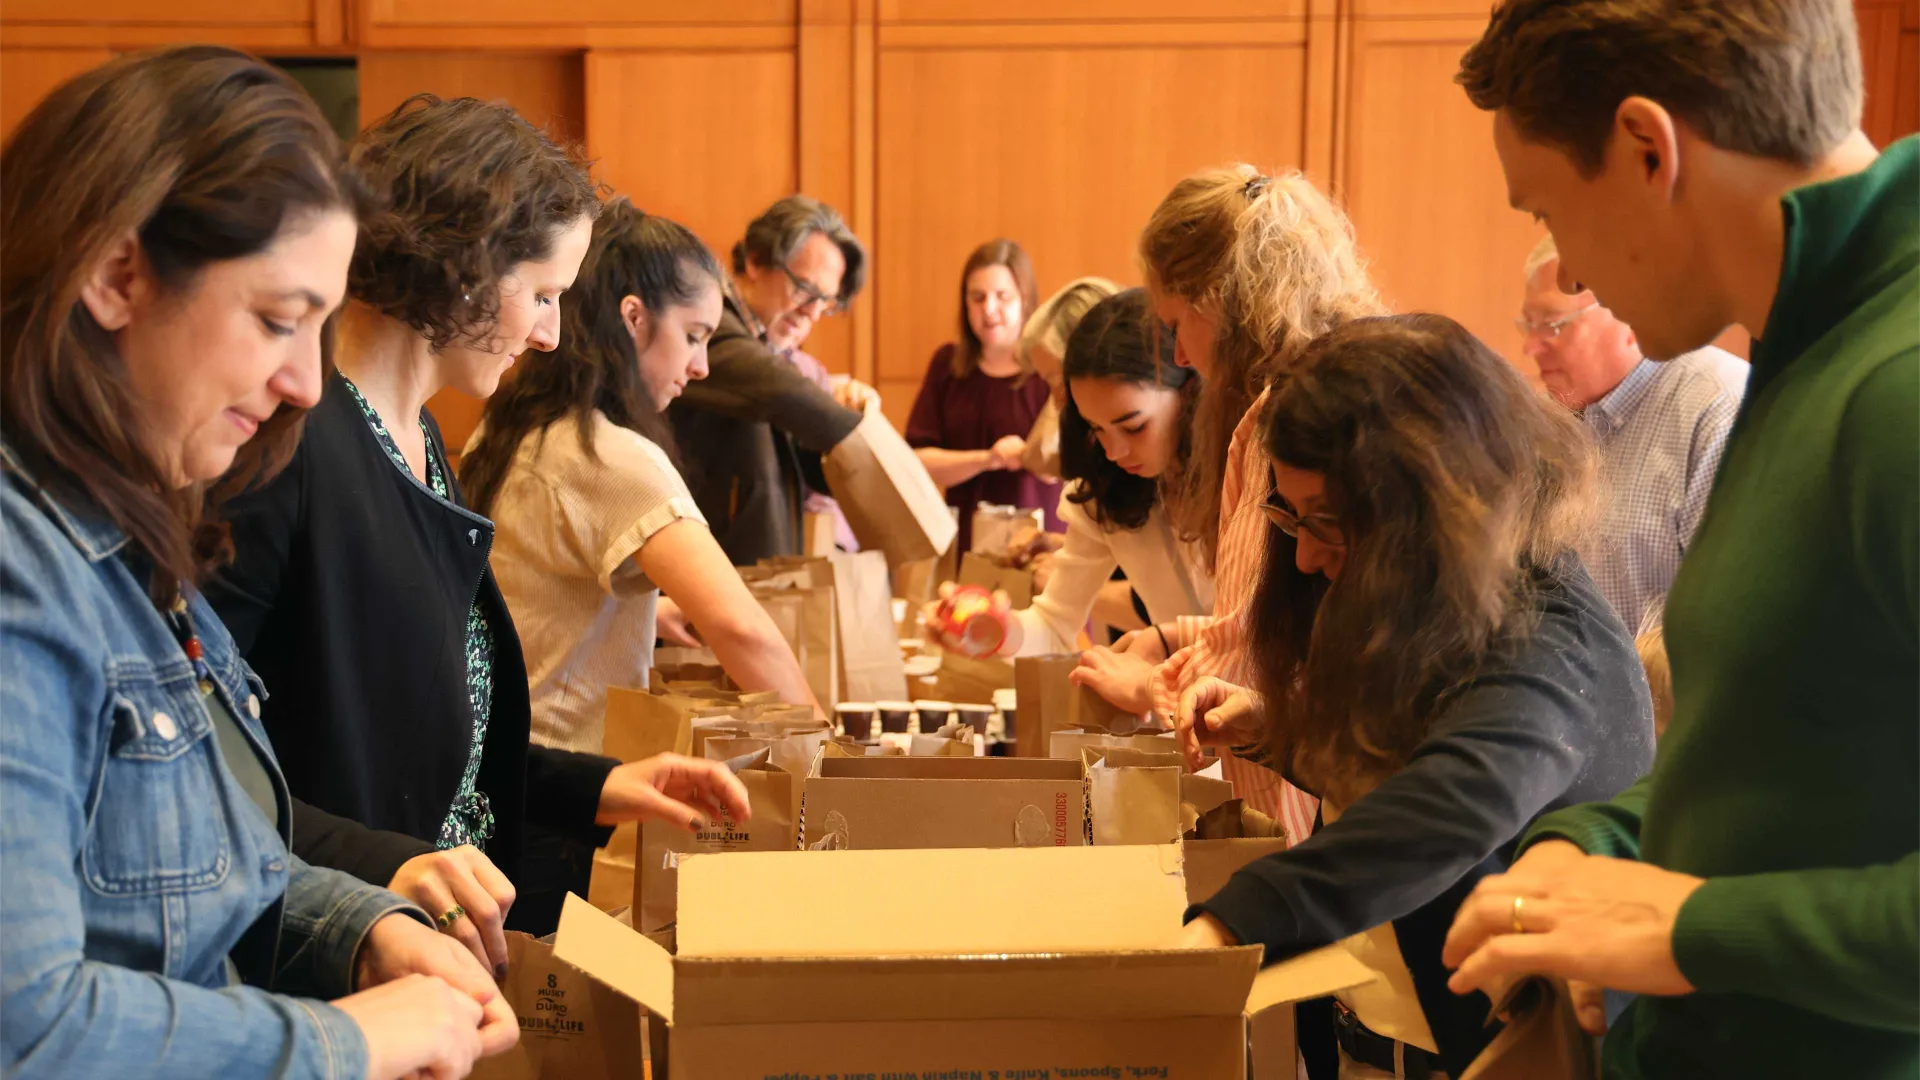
(1128, 415)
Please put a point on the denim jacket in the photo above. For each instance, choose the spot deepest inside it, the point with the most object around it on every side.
(134, 866)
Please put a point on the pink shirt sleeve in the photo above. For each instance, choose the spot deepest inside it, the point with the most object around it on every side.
(1220, 647)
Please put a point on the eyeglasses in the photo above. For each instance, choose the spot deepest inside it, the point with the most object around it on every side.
(1322, 527)
(810, 294)
(1552, 327)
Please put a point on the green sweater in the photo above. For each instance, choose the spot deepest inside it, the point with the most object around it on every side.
(1790, 777)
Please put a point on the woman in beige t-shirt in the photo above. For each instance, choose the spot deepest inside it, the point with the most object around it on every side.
(592, 519)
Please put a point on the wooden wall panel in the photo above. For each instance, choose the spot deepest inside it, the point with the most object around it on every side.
(635, 24)
(27, 76)
(546, 89)
(1066, 149)
(704, 138)
(1890, 56)
(265, 25)
(1421, 180)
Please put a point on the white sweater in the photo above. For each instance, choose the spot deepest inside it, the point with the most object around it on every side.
(1168, 575)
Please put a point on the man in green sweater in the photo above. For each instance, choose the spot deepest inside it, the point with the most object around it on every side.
(1700, 164)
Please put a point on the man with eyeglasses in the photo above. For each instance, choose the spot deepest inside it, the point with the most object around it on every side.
(752, 432)
(1661, 427)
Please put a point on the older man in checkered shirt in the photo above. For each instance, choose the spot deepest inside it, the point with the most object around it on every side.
(1661, 427)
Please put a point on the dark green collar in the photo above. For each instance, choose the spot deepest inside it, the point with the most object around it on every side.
(1846, 240)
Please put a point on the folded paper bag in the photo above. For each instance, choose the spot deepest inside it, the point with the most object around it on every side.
(572, 1027)
(1542, 1039)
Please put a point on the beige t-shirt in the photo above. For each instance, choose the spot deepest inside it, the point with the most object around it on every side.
(566, 529)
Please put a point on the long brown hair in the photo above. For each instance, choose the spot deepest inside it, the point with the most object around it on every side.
(203, 153)
(1274, 260)
(966, 356)
(1456, 486)
(595, 367)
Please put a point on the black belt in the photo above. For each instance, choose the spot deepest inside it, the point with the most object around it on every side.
(1370, 1048)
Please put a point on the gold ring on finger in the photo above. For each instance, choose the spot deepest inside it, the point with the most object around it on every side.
(456, 913)
(1518, 901)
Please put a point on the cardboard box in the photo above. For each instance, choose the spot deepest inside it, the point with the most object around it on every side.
(944, 802)
(784, 970)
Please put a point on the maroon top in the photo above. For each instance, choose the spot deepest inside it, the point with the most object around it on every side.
(972, 414)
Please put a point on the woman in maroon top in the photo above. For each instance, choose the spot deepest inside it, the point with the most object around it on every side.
(980, 399)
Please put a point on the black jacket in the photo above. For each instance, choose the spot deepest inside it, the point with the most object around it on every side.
(1557, 717)
(348, 593)
(750, 437)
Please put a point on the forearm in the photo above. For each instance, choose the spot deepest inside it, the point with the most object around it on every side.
(1610, 828)
(1844, 943)
(1467, 793)
(950, 467)
(325, 921)
(73, 1019)
(328, 840)
(756, 657)
(1113, 606)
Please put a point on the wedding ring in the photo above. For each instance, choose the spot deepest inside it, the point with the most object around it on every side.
(1517, 902)
(457, 913)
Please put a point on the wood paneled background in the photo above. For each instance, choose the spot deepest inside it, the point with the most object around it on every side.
(937, 124)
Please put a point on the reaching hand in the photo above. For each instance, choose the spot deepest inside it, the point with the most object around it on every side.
(462, 878)
(1031, 541)
(424, 1003)
(1008, 451)
(683, 791)
(1145, 644)
(1214, 712)
(1121, 678)
(1592, 920)
(856, 395)
(672, 626)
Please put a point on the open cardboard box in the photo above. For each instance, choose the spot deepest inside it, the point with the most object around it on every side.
(789, 966)
(944, 802)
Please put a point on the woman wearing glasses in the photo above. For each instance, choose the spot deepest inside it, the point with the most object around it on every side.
(980, 396)
(1432, 661)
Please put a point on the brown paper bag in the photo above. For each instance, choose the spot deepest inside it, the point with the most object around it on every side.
(639, 725)
(964, 679)
(816, 534)
(992, 574)
(1046, 700)
(1134, 804)
(807, 620)
(1542, 1039)
(1072, 741)
(870, 666)
(571, 1026)
(914, 581)
(1042, 456)
(772, 794)
(886, 494)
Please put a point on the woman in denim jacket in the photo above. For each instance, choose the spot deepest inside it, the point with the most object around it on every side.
(176, 229)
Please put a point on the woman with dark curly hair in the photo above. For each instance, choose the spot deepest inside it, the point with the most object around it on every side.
(360, 587)
(1434, 663)
(1128, 417)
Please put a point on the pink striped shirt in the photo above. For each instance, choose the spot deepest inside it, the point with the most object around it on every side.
(1217, 645)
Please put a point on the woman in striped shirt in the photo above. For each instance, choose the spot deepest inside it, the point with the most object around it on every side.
(1245, 269)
